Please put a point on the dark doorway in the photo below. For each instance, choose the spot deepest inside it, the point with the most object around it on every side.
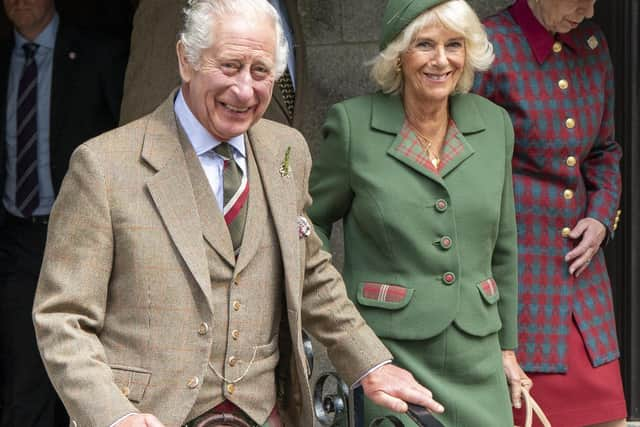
(621, 23)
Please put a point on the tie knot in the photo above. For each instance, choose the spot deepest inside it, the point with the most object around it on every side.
(29, 50)
(224, 150)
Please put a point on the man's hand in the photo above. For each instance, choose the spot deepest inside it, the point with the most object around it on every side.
(516, 377)
(391, 387)
(140, 420)
(592, 232)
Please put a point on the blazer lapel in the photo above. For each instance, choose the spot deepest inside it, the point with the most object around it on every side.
(214, 227)
(171, 191)
(257, 209)
(280, 197)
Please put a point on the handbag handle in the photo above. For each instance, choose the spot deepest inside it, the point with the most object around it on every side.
(531, 408)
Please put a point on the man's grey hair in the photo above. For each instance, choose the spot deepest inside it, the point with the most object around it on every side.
(201, 17)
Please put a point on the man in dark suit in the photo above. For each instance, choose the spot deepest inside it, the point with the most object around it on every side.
(58, 88)
(152, 68)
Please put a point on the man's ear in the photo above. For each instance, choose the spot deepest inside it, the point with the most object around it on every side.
(185, 68)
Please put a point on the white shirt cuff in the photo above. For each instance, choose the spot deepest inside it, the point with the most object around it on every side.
(119, 420)
(378, 366)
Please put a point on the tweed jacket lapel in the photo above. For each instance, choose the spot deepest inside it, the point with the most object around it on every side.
(280, 194)
(254, 227)
(172, 192)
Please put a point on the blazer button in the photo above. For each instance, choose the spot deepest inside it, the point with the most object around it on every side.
(441, 205)
(232, 361)
(571, 161)
(125, 391)
(235, 334)
(566, 231)
(568, 194)
(570, 123)
(231, 388)
(193, 382)
(448, 278)
(557, 47)
(203, 329)
(236, 305)
(446, 242)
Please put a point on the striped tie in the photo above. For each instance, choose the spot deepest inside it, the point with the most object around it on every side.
(236, 192)
(288, 92)
(27, 195)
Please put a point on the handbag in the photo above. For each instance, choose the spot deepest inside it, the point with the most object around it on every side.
(532, 407)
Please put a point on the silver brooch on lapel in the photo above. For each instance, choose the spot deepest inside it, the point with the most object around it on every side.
(592, 42)
(285, 168)
(304, 229)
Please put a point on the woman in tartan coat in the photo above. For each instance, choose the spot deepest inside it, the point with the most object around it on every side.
(554, 76)
(420, 172)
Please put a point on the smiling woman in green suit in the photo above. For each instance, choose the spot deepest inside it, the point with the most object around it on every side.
(420, 172)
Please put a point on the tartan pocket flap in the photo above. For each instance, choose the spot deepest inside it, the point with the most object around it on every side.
(489, 290)
(132, 382)
(382, 295)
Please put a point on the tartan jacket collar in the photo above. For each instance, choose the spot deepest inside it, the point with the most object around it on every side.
(539, 39)
(387, 114)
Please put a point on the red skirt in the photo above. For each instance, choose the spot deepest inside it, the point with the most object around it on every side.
(583, 396)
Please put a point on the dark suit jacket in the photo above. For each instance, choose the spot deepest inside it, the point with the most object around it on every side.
(152, 71)
(86, 90)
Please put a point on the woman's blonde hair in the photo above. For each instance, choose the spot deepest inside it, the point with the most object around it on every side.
(455, 15)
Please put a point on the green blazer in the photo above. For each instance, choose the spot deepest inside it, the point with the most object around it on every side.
(422, 250)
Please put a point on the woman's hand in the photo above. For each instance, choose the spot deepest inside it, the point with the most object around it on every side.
(515, 376)
(592, 232)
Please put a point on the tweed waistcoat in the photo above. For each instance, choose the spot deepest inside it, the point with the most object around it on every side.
(247, 307)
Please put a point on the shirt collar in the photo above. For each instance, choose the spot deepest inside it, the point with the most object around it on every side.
(540, 40)
(46, 38)
(200, 138)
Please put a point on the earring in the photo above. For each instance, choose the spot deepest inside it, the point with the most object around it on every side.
(398, 66)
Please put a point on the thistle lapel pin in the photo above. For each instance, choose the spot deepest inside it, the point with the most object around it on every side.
(304, 229)
(285, 168)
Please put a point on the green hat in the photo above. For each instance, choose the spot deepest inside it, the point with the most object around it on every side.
(399, 14)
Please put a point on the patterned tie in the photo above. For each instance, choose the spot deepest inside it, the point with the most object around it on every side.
(288, 93)
(236, 192)
(27, 195)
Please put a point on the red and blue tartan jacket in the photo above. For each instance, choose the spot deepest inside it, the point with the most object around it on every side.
(559, 92)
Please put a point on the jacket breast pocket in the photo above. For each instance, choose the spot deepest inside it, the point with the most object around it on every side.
(131, 381)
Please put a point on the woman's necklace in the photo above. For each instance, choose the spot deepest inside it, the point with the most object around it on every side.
(426, 145)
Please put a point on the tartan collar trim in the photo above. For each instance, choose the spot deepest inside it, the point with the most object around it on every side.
(539, 39)
(452, 146)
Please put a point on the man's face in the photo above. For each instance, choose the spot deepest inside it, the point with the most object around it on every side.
(231, 87)
(29, 17)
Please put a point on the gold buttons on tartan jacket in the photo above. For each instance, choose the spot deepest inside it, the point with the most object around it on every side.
(568, 194)
(231, 388)
(236, 305)
(571, 161)
(557, 47)
(193, 382)
(235, 334)
(566, 231)
(203, 329)
(563, 84)
(570, 123)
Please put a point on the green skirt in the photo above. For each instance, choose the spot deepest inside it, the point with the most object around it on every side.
(465, 374)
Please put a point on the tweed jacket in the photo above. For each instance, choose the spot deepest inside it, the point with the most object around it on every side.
(566, 167)
(86, 89)
(125, 283)
(422, 249)
(152, 70)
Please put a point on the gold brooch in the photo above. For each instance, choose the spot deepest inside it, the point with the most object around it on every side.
(592, 42)
(284, 167)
